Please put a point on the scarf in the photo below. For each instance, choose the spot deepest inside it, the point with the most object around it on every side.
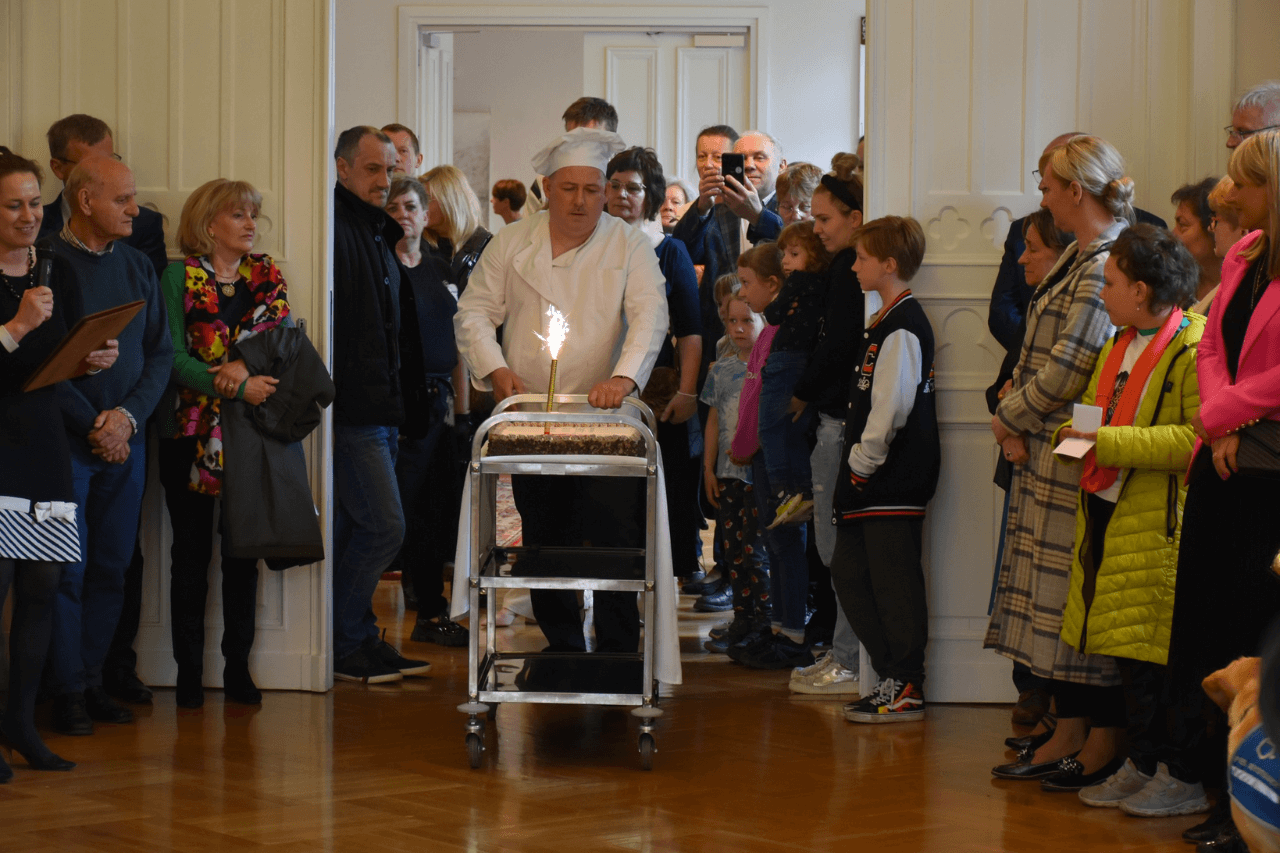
(208, 338)
(1122, 412)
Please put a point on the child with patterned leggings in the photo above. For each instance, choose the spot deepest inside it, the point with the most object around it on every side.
(728, 485)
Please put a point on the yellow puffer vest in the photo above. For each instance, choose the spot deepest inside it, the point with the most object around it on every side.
(1124, 607)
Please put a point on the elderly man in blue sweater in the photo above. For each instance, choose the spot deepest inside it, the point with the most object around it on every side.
(103, 413)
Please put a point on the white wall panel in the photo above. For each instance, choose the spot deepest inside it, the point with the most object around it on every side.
(195, 90)
(631, 78)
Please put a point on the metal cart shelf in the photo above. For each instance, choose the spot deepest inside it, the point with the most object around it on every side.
(494, 677)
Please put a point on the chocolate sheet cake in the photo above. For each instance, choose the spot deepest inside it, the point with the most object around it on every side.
(528, 439)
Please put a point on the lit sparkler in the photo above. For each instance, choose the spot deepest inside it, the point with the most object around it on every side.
(557, 331)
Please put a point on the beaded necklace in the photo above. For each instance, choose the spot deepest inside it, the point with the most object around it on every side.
(31, 276)
(1259, 282)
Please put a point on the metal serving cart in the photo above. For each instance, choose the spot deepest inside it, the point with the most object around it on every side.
(565, 678)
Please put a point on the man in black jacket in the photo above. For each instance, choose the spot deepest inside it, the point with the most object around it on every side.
(369, 407)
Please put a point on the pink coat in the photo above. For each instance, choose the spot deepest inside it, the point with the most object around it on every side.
(1226, 406)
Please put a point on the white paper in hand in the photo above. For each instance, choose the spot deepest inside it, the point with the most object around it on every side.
(1083, 419)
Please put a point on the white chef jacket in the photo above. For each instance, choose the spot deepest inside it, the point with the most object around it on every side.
(610, 289)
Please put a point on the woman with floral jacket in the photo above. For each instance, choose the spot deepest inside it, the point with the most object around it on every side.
(219, 294)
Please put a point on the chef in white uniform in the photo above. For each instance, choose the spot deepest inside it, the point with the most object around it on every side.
(602, 274)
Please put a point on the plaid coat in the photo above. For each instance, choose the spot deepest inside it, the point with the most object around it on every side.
(1067, 326)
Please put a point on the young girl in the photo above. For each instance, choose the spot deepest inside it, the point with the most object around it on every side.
(728, 486)
(1127, 527)
(780, 471)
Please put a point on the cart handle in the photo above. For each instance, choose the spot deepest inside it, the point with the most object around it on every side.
(646, 414)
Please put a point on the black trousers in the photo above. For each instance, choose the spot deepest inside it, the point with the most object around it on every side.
(572, 511)
(682, 478)
(879, 581)
(192, 517)
(1226, 595)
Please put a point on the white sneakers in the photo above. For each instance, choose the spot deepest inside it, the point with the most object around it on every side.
(1138, 794)
(827, 677)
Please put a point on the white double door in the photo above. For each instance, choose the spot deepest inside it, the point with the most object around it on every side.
(666, 89)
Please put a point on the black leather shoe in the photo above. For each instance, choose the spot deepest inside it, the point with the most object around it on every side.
(1018, 744)
(1071, 775)
(1024, 769)
(238, 686)
(715, 602)
(69, 715)
(1210, 828)
(127, 687)
(1227, 841)
(103, 709)
(707, 584)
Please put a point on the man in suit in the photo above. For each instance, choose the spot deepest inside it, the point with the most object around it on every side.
(71, 140)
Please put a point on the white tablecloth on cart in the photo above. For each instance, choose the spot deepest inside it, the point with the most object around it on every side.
(666, 646)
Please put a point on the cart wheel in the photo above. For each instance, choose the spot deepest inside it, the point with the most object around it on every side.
(647, 749)
(475, 749)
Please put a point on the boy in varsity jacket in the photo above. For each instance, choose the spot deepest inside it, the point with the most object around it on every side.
(893, 456)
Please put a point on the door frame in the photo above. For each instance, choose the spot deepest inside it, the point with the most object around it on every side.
(415, 19)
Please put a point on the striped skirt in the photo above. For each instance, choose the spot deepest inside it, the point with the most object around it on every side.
(44, 531)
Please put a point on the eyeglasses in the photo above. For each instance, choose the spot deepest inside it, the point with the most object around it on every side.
(74, 163)
(1234, 132)
(628, 189)
(1037, 174)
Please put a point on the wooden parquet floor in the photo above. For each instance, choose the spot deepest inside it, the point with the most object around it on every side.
(741, 766)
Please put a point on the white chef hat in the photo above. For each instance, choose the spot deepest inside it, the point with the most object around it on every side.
(582, 146)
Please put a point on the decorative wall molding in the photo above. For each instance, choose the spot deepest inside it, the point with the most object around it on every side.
(631, 77)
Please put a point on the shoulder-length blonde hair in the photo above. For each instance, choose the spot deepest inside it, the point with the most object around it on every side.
(448, 187)
(206, 202)
(1256, 163)
(1098, 168)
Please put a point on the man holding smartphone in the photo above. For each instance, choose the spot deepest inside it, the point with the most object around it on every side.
(730, 213)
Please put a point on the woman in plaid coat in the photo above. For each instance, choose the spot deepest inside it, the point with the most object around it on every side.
(1086, 191)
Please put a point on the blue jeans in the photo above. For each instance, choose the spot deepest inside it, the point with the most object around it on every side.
(785, 544)
(368, 528)
(91, 592)
(827, 462)
(784, 442)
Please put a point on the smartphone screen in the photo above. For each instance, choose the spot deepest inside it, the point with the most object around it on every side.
(733, 164)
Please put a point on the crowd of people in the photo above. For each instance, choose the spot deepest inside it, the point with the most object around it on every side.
(773, 331)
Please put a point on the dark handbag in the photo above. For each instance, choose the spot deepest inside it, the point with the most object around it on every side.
(1259, 451)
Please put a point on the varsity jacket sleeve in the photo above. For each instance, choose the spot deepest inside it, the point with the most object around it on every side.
(898, 371)
(1066, 372)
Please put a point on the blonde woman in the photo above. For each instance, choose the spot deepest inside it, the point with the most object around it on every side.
(453, 223)
(1084, 187)
(220, 293)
